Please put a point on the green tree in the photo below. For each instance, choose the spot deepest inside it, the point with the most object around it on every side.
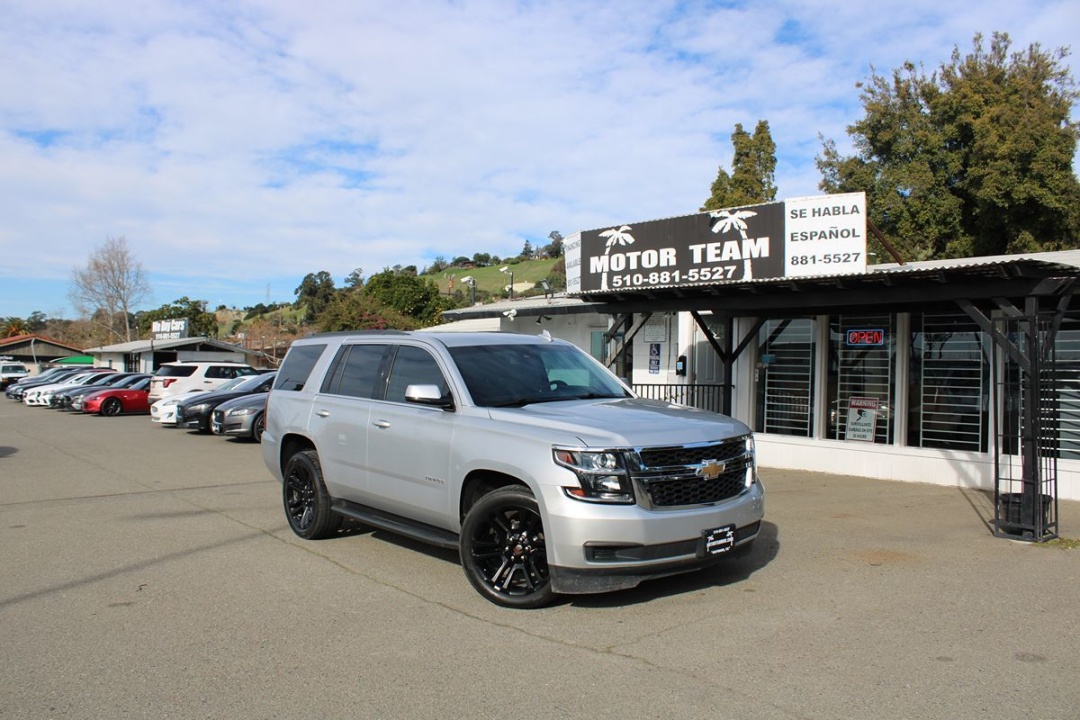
(361, 311)
(37, 321)
(409, 295)
(315, 293)
(555, 248)
(973, 159)
(200, 321)
(753, 171)
(355, 279)
(14, 327)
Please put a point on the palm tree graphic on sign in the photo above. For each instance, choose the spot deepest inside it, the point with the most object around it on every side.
(614, 237)
(726, 220)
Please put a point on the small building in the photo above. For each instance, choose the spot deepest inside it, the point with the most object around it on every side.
(38, 352)
(149, 355)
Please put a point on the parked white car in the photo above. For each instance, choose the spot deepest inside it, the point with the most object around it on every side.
(40, 395)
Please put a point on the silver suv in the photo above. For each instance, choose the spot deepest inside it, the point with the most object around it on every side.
(523, 453)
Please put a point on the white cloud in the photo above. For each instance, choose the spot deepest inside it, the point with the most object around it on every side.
(245, 143)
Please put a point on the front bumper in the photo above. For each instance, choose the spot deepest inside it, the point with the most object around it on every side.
(229, 426)
(166, 416)
(196, 421)
(596, 548)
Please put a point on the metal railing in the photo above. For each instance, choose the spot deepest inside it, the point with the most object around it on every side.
(705, 397)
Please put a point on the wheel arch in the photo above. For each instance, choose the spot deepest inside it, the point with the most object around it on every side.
(292, 444)
(480, 482)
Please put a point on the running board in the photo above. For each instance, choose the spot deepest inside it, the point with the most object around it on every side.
(396, 524)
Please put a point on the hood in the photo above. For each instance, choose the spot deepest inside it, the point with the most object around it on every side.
(214, 397)
(624, 422)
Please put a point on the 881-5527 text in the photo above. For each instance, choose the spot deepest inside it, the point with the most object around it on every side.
(825, 259)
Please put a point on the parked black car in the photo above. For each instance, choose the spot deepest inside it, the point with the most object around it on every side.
(195, 412)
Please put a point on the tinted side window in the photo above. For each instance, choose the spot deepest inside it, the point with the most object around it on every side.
(413, 366)
(217, 372)
(176, 371)
(294, 372)
(355, 371)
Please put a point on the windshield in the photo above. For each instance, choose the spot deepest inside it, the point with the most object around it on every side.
(233, 384)
(516, 375)
(248, 382)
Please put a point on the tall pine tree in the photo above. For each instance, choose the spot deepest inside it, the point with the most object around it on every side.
(753, 171)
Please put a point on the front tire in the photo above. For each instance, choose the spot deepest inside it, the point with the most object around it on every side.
(257, 428)
(307, 504)
(111, 407)
(503, 551)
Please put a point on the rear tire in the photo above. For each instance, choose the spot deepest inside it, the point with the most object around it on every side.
(307, 504)
(503, 551)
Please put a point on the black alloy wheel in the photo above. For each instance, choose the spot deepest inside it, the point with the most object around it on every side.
(307, 504)
(257, 427)
(503, 550)
(111, 407)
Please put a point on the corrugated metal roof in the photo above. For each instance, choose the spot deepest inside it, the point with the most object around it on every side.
(1065, 259)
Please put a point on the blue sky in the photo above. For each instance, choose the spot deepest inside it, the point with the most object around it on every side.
(238, 146)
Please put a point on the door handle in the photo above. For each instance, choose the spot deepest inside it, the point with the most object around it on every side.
(381, 424)
(322, 413)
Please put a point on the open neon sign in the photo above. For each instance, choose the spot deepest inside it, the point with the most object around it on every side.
(865, 337)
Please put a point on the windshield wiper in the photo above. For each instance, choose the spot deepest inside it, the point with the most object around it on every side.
(519, 402)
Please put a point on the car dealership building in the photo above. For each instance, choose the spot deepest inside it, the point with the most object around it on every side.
(962, 372)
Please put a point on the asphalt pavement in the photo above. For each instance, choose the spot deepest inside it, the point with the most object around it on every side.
(150, 573)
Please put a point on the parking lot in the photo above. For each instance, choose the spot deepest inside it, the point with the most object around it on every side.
(150, 573)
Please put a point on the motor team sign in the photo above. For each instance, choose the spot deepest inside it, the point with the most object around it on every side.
(800, 237)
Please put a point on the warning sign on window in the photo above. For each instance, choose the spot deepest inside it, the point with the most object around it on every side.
(861, 419)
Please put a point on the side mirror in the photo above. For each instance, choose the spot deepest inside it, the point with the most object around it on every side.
(429, 395)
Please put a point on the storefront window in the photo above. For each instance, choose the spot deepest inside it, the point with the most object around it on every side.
(862, 356)
(949, 383)
(785, 377)
(1067, 371)
(1059, 423)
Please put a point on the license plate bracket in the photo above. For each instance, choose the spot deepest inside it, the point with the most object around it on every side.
(718, 540)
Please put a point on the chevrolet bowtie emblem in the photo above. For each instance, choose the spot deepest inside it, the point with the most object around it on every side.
(710, 469)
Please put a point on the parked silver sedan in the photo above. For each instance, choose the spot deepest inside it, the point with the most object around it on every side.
(240, 417)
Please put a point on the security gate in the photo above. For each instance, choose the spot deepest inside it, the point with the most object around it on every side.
(1029, 415)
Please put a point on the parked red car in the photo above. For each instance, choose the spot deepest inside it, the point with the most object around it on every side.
(119, 400)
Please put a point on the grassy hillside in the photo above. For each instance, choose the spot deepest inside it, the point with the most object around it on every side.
(526, 274)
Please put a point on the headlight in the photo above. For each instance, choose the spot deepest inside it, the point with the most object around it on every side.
(602, 475)
(243, 411)
(751, 466)
(196, 409)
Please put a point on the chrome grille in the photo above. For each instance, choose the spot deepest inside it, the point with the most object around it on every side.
(662, 457)
(670, 476)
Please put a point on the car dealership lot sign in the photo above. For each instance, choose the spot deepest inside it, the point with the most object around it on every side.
(801, 237)
(169, 329)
